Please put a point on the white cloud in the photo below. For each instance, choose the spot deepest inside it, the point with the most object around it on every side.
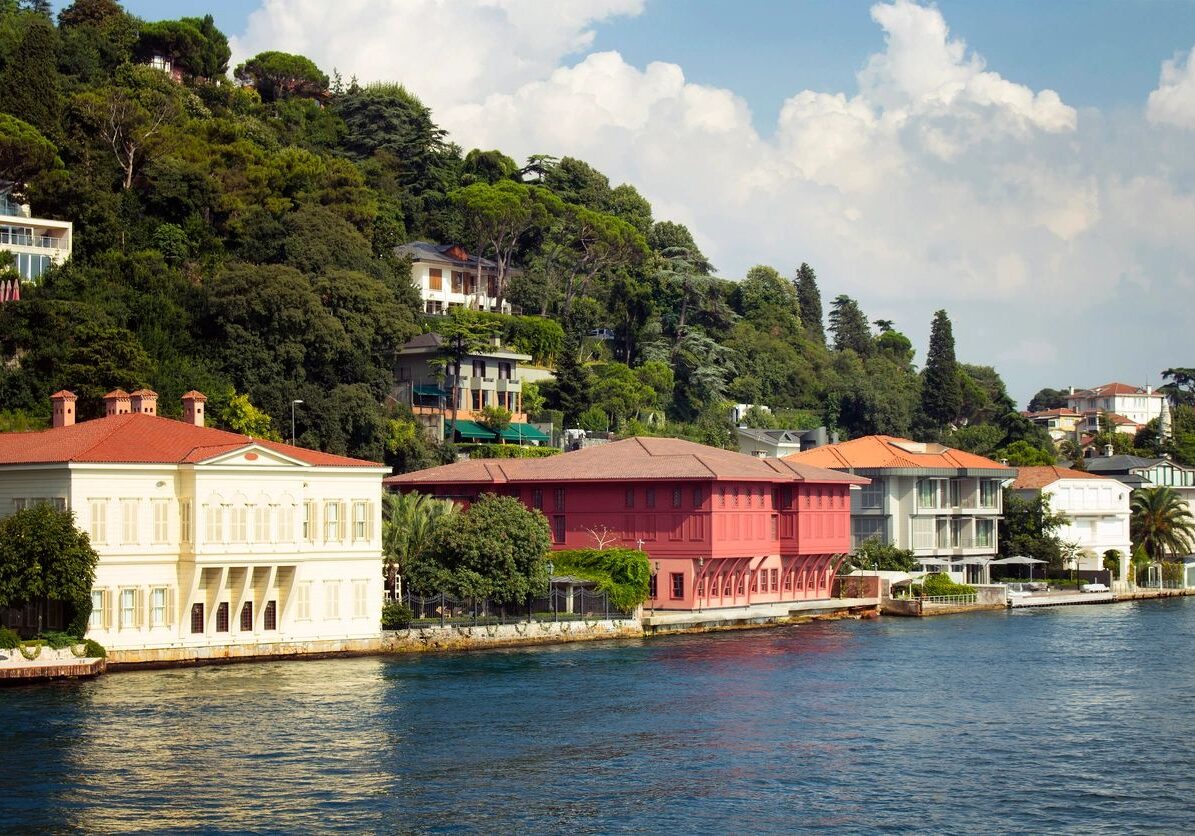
(938, 182)
(1173, 103)
(446, 50)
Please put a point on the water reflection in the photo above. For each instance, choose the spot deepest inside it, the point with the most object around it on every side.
(1074, 718)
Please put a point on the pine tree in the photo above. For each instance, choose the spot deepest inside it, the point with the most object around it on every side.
(30, 79)
(941, 392)
(810, 301)
(849, 327)
(574, 388)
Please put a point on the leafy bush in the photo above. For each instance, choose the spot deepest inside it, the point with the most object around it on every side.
(9, 640)
(31, 650)
(506, 451)
(624, 574)
(95, 650)
(57, 640)
(396, 616)
(939, 583)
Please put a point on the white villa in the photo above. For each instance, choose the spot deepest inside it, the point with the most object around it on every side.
(942, 504)
(1128, 407)
(447, 277)
(32, 244)
(211, 544)
(1097, 506)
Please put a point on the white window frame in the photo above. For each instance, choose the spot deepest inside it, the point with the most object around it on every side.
(98, 618)
(332, 522)
(360, 520)
(159, 606)
(127, 609)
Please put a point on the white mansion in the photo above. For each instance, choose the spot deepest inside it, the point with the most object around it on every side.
(211, 544)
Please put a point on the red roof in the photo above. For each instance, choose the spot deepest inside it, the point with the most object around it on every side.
(1038, 476)
(627, 460)
(138, 438)
(1115, 389)
(885, 451)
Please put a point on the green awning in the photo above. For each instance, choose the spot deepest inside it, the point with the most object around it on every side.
(520, 433)
(430, 391)
(469, 431)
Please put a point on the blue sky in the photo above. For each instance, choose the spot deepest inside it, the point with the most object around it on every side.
(1023, 164)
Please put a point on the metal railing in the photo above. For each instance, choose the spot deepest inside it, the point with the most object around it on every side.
(22, 239)
(446, 610)
(949, 599)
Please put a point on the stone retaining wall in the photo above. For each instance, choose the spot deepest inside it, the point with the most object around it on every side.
(174, 656)
(465, 637)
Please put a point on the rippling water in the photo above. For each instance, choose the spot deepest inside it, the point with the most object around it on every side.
(1078, 719)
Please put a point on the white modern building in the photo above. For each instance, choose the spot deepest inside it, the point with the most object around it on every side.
(211, 544)
(447, 277)
(942, 504)
(32, 244)
(1097, 509)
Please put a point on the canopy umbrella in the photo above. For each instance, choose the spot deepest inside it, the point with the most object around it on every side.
(1020, 560)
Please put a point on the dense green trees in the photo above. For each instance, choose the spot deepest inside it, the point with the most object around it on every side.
(1029, 528)
(809, 299)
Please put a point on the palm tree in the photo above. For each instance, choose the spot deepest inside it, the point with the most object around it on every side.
(1162, 523)
(409, 522)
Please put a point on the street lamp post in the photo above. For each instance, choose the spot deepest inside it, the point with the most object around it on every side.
(292, 418)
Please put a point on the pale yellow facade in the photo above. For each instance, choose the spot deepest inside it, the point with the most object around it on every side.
(248, 550)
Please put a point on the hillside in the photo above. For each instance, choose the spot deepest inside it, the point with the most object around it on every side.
(235, 232)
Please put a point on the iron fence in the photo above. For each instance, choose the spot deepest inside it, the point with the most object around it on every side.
(558, 605)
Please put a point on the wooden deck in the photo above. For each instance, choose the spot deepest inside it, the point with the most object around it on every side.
(30, 672)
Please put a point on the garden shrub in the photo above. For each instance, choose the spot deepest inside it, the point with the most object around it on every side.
(624, 574)
(9, 640)
(95, 650)
(940, 583)
(57, 640)
(396, 616)
(506, 451)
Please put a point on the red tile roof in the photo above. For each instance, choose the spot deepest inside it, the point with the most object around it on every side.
(138, 438)
(885, 451)
(627, 460)
(1054, 413)
(1033, 478)
(1115, 389)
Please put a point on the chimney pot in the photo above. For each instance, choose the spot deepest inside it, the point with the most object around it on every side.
(193, 407)
(62, 405)
(1108, 450)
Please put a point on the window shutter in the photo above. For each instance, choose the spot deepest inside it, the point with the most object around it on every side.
(340, 518)
(170, 606)
(141, 604)
(106, 608)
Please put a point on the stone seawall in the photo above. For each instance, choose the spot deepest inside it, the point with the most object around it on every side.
(261, 651)
(466, 637)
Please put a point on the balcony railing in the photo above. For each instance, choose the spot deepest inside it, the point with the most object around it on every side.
(21, 239)
(12, 208)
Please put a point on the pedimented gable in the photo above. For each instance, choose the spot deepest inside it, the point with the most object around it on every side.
(252, 455)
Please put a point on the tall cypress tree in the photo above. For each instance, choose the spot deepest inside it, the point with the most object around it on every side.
(810, 300)
(30, 79)
(941, 392)
(849, 326)
(573, 388)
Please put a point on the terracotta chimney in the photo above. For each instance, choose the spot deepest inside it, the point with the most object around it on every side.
(62, 404)
(117, 402)
(145, 401)
(193, 407)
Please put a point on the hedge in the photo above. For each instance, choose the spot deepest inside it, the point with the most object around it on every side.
(506, 451)
(624, 574)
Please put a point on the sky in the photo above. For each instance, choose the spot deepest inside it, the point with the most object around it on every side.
(1024, 165)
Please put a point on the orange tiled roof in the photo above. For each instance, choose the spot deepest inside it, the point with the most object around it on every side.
(1115, 389)
(629, 459)
(137, 438)
(1054, 413)
(1038, 476)
(882, 451)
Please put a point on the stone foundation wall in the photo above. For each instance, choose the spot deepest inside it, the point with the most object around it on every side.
(172, 656)
(465, 637)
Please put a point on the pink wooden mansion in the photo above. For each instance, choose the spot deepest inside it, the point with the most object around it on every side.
(722, 529)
